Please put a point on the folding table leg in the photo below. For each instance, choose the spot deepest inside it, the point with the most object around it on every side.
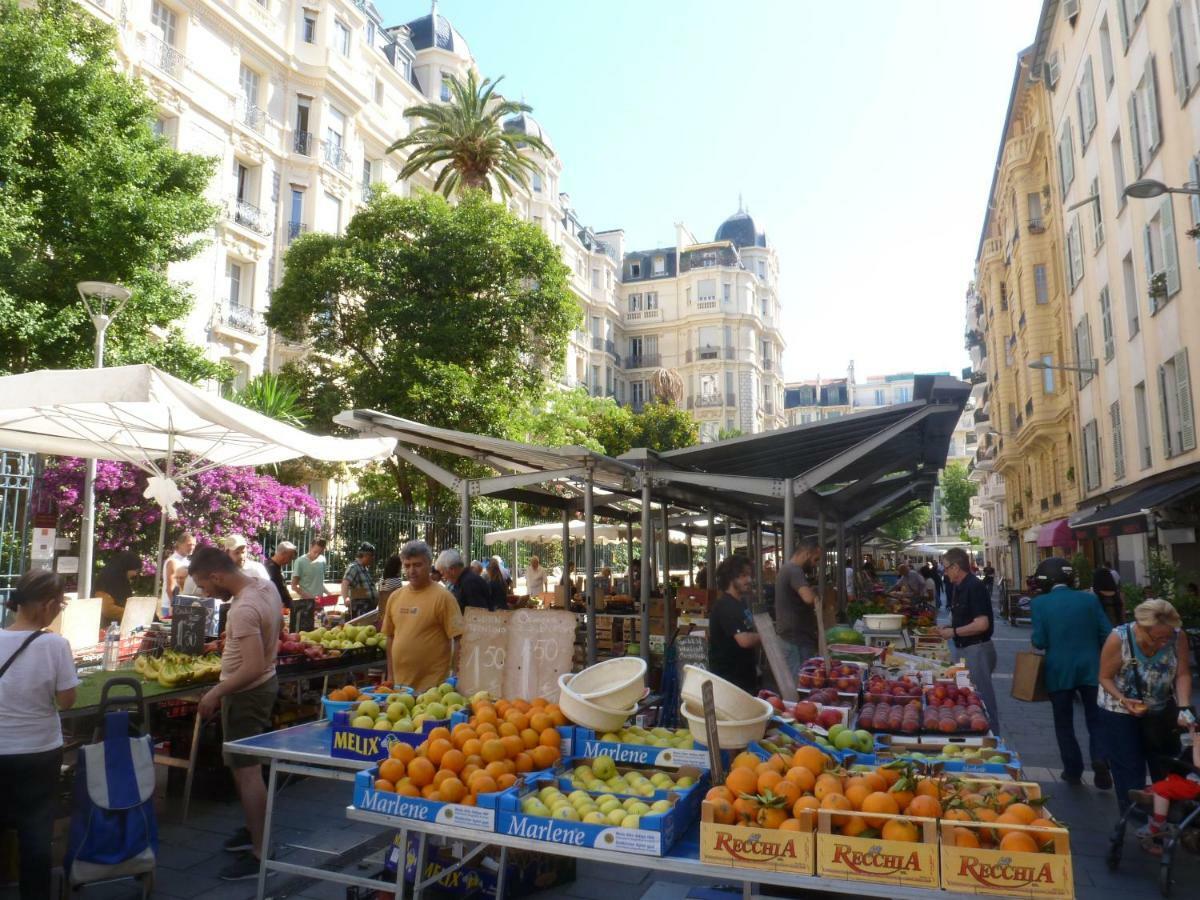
(401, 862)
(420, 866)
(191, 769)
(266, 835)
(502, 877)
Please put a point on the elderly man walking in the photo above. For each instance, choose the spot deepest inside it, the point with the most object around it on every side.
(421, 622)
(971, 625)
(285, 553)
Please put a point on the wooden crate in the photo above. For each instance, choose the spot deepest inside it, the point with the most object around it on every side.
(743, 847)
(874, 859)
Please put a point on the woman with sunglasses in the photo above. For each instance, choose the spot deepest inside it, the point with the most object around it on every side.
(37, 679)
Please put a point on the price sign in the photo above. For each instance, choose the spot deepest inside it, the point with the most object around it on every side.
(189, 625)
(304, 615)
(541, 647)
(483, 652)
(691, 650)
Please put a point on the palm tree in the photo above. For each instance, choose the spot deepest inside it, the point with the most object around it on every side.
(274, 397)
(467, 134)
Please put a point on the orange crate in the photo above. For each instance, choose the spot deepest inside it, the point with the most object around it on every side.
(1008, 873)
(771, 849)
(908, 863)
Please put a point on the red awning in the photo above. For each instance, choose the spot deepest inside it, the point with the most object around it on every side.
(1056, 534)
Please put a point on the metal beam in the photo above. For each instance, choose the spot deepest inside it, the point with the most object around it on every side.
(789, 520)
(895, 495)
(464, 523)
(498, 483)
(647, 542)
(589, 560)
(566, 587)
(818, 475)
(668, 598)
(761, 487)
(433, 470)
(852, 490)
(710, 564)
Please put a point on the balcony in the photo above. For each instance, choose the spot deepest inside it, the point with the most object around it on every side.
(607, 346)
(712, 401)
(635, 315)
(335, 156)
(980, 415)
(163, 56)
(768, 408)
(242, 319)
(708, 351)
(250, 216)
(992, 247)
(303, 143)
(706, 303)
(1036, 226)
(253, 117)
(295, 229)
(644, 361)
(367, 193)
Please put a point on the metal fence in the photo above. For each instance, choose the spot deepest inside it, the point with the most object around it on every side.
(16, 489)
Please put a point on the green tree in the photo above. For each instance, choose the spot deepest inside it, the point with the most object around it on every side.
(726, 434)
(456, 315)
(908, 524)
(274, 396)
(957, 491)
(467, 138)
(88, 192)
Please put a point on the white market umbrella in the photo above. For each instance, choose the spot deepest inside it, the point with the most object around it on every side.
(143, 416)
(551, 532)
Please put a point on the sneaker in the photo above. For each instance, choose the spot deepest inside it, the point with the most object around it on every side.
(1071, 779)
(244, 867)
(1102, 776)
(1149, 832)
(239, 841)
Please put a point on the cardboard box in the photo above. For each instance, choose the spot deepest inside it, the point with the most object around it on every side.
(877, 860)
(1029, 681)
(743, 847)
(527, 872)
(587, 744)
(690, 795)
(369, 745)
(478, 818)
(1008, 873)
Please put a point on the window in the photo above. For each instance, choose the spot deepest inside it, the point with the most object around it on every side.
(660, 265)
(1162, 257)
(1118, 440)
(903, 395)
(1129, 13)
(1118, 163)
(1194, 199)
(296, 215)
(635, 304)
(341, 37)
(233, 278)
(1145, 458)
(303, 138)
(308, 27)
(728, 385)
(706, 291)
(1047, 374)
(651, 300)
(1041, 286)
(595, 278)
(726, 293)
(1083, 349)
(1074, 250)
(1066, 159)
(1144, 120)
(537, 182)
(637, 394)
(165, 22)
(1085, 99)
(444, 93)
(1131, 297)
(1034, 204)
(243, 179)
(249, 84)
(331, 213)
(1106, 325)
(378, 90)
(878, 397)
(596, 381)
(635, 270)
(369, 33)
(1183, 49)
(1106, 57)
(1175, 395)
(1097, 216)
(1091, 456)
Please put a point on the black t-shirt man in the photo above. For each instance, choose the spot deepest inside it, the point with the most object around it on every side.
(275, 571)
(471, 590)
(969, 600)
(726, 658)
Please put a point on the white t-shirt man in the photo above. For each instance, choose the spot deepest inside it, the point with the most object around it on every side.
(29, 720)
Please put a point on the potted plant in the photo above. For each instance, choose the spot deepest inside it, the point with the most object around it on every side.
(1158, 284)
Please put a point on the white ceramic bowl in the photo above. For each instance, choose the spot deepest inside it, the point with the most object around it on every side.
(730, 701)
(614, 683)
(883, 621)
(732, 735)
(583, 712)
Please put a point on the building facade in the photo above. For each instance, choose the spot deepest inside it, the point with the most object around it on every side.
(299, 102)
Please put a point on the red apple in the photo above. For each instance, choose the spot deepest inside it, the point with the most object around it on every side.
(806, 712)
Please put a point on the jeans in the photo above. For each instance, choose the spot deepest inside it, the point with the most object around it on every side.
(981, 663)
(1063, 705)
(796, 653)
(1122, 745)
(28, 784)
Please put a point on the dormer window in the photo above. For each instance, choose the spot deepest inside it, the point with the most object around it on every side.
(660, 265)
(635, 270)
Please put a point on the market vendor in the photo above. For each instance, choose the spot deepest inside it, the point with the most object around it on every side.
(421, 624)
(796, 605)
(732, 641)
(113, 586)
(971, 625)
(248, 688)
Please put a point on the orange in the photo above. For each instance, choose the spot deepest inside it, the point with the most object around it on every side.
(901, 830)
(745, 760)
(857, 793)
(421, 771)
(452, 790)
(929, 787)
(486, 715)
(472, 747)
(855, 825)
(1023, 811)
(486, 730)
(430, 792)
(788, 791)
(539, 722)
(467, 771)
(505, 781)
(958, 814)
(518, 719)
(767, 780)
(544, 757)
(839, 802)
(1018, 842)
(771, 816)
(803, 778)
(524, 762)
(790, 825)
(495, 769)
(403, 752)
(778, 763)
(827, 783)
(508, 729)
(555, 714)
(720, 792)
(965, 837)
(442, 776)
(538, 702)
(529, 738)
(1006, 819)
(468, 800)
(888, 774)
(722, 811)
(1044, 838)
(336, 694)
(742, 781)
(874, 781)
(350, 692)
(408, 789)
(811, 758)
(493, 750)
(924, 806)
(382, 784)
(512, 745)
(808, 801)
(483, 784)
(879, 802)
(454, 760)
(985, 814)
(902, 797)
(436, 748)
(746, 808)
(550, 738)
(441, 733)
(391, 770)
(502, 708)
(476, 761)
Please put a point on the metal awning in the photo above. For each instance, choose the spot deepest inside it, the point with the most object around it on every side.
(1129, 515)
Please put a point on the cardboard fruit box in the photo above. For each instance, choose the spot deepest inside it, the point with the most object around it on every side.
(908, 863)
(478, 818)
(746, 847)
(1009, 873)
(654, 837)
(586, 743)
(690, 796)
(369, 744)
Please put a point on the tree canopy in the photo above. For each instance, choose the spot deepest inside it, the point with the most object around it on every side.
(908, 524)
(957, 491)
(575, 417)
(88, 192)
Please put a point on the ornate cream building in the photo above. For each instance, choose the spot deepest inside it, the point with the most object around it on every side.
(299, 101)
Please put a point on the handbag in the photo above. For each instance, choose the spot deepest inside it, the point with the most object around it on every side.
(1160, 736)
(12, 659)
(1029, 677)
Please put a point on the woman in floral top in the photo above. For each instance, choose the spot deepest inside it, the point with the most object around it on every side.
(1144, 672)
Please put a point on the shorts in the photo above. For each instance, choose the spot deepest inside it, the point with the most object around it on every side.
(1176, 787)
(246, 714)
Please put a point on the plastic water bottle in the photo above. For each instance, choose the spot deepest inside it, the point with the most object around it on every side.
(112, 647)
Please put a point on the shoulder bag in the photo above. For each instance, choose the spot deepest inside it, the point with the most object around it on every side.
(1160, 736)
(33, 636)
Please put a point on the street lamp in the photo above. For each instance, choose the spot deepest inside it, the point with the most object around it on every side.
(103, 301)
(1092, 368)
(1149, 188)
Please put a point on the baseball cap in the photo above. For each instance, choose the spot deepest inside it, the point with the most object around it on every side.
(232, 542)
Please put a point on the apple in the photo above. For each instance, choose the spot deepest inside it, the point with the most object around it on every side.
(829, 716)
(806, 712)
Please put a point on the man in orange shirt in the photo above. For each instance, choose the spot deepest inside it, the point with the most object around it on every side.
(421, 623)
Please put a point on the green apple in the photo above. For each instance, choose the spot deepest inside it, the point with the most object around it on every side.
(384, 724)
(404, 725)
(608, 806)
(369, 708)
(363, 722)
(532, 806)
(438, 711)
(660, 806)
(610, 738)
(604, 767)
(596, 818)
(685, 781)
(631, 822)
(567, 812)
(453, 698)
(638, 808)
(547, 792)
(445, 688)
(616, 816)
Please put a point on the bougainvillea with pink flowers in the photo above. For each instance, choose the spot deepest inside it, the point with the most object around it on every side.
(221, 501)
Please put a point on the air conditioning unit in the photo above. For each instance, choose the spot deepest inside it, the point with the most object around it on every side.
(1051, 70)
(1071, 10)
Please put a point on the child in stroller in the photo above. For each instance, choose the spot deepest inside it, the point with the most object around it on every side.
(1180, 787)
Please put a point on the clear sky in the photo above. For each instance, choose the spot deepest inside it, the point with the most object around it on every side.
(862, 136)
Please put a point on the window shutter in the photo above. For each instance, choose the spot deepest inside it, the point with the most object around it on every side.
(1123, 21)
(1183, 392)
(1079, 352)
(1135, 133)
(1169, 249)
(1089, 99)
(1152, 122)
(1086, 343)
(1166, 417)
(1076, 253)
(1148, 246)
(1118, 441)
(1179, 73)
(1194, 199)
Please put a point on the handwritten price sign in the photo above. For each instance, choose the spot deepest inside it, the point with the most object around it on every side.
(516, 654)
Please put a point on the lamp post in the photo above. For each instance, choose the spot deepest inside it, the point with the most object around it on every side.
(1148, 189)
(1092, 368)
(103, 301)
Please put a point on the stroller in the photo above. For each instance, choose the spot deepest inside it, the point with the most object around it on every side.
(1183, 827)
(114, 832)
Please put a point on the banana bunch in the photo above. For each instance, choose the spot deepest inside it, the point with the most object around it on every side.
(174, 669)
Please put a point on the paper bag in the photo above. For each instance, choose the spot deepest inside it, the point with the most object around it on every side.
(1029, 677)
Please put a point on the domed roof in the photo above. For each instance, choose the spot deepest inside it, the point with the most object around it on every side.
(741, 230)
(435, 30)
(524, 123)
